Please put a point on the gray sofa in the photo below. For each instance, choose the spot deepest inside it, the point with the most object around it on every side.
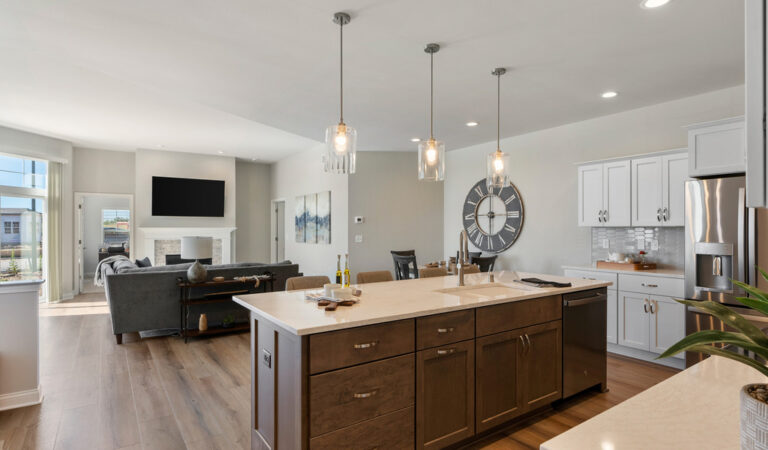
(147, 298)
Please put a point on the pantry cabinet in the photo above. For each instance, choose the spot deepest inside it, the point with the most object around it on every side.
(658, 190)
(604, 194)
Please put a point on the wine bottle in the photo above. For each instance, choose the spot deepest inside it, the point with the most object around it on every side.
(338, 269)
(346, 270)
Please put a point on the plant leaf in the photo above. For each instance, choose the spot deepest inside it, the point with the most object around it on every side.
(731, 319)
(754, 304)
(752, 290)
(708, 337)
(763, 272)
(708, 349)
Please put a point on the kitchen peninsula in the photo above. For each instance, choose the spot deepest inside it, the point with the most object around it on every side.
(419, 363)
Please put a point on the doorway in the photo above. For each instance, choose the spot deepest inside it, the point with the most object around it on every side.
(104, 229)
(278, 231)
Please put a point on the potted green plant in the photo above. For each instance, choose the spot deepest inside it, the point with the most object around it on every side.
(748, 337)
(228, 321)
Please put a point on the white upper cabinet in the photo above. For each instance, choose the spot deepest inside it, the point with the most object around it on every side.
(658, 190)
(674, 174)
(604, 191)
(717, 148)
(754, 77)
(647, 189)
(591, 195)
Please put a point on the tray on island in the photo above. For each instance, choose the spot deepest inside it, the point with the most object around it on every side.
(625, 266)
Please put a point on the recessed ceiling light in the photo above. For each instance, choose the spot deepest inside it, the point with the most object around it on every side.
(609, 94)
(415, 139)
(650, 4)
(472, 124)
(220, 152)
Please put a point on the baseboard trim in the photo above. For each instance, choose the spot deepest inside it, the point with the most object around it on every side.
(21, 399)
(650, 357)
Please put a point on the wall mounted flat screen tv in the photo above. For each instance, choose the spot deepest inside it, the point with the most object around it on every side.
(187, 197)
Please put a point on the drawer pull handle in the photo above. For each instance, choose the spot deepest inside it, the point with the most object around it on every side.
(365, 345)
(649, 285)
(447, 351)
(445, 330)
(365, 394)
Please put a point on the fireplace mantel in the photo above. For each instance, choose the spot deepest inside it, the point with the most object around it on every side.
(151, 234)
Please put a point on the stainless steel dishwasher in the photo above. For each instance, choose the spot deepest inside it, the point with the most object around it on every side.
(584, 341)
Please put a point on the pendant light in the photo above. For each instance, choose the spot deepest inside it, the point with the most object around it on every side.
(431, 151)
(499, 163)
(340, 139)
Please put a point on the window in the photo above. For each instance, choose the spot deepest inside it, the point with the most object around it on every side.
(23, 173)
(11, 227)
(116, 227)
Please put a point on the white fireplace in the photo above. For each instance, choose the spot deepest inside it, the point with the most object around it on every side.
(161, 240)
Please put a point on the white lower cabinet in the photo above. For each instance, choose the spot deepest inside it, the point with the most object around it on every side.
(612, 322)
(667, 324)
(634, 321)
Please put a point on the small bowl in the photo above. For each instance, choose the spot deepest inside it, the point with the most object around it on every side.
(329, 288)
(342, 293)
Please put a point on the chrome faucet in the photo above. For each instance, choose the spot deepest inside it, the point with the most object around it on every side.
(463, 255)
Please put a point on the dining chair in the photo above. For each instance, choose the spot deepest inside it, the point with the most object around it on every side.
(405, 266)
(485, 263)
(429, 272)
(374, 277)
(409, 253)
(310, 282)
(472, 268)
(469, 255)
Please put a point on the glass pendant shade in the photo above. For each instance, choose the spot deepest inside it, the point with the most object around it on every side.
(431, 160)
(498, 170)
(340, 149)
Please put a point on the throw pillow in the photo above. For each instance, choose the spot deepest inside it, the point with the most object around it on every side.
(144, 262)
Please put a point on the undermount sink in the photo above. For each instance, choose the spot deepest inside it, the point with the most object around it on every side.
(488, 290)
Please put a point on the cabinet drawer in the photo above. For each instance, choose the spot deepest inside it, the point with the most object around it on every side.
(589, 275)
(443, 329)
(648, 284)
(508, 316)
(344, 397)
(393, 430)
(344, 348)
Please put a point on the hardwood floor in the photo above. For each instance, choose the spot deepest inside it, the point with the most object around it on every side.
(159, 393)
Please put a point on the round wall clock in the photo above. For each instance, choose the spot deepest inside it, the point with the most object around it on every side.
(493, 218)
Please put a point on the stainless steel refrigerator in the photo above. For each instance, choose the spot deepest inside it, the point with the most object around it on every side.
(721, 243)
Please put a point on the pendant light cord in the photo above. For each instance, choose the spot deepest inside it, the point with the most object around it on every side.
(431, 94)
(341, 71)
(498, 112)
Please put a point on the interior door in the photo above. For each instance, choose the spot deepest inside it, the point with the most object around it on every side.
(616, 194)
(634, 313)
(498, 385)
(667, 323)
(674, 174)
(590, 195)
(80, 249)
(647, 191)
(543, 365)
(445, 395)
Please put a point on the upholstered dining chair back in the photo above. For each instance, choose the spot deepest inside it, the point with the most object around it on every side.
(429, 272)
(311, 282)
(374, 277)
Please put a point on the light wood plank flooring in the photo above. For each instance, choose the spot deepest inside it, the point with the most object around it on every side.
(162, 394)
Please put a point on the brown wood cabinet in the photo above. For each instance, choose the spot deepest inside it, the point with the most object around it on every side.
(542, 376)
(445, 395)
(498, 386)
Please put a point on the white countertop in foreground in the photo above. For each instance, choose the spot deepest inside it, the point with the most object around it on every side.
(395, 300)
(697, 408)
(669, 273)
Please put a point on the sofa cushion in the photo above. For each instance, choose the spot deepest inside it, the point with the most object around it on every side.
(123, 265)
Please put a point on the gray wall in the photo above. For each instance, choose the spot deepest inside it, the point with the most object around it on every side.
(103, 171)
(253, 212)
(545, 173)
(401, 212)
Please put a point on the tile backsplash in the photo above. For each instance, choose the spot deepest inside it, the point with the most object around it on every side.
(671, 244)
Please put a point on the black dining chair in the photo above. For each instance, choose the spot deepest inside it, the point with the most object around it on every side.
(405, 264)
(485, 263)
(470, 255)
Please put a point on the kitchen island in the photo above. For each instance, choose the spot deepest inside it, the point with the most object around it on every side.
(419, 363)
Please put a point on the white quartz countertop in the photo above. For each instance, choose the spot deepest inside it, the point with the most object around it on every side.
(396, 300)
(668, 273)
(697, 408)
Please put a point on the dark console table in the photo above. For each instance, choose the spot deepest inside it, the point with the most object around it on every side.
(210, 292)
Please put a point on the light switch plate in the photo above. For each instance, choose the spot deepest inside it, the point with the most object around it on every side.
(358, 238)
(641, 244)
(359, 219)
(266, 358)
(655, 244)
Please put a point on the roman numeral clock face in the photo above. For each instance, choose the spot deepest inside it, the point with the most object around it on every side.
(493, 219)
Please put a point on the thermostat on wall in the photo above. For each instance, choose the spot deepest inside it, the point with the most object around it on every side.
(359, 219)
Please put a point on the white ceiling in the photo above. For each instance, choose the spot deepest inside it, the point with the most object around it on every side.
(259, 79)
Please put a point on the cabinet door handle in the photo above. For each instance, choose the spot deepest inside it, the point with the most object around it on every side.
(645, 305)
(665, 213)
(649, 285)
(606, 217)
(361, 395)
(522, 342)
(527, 338)
(600, 216)
(658, 215)
(446, 351)
(445, 330)
(654, 306)
(365, 345)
